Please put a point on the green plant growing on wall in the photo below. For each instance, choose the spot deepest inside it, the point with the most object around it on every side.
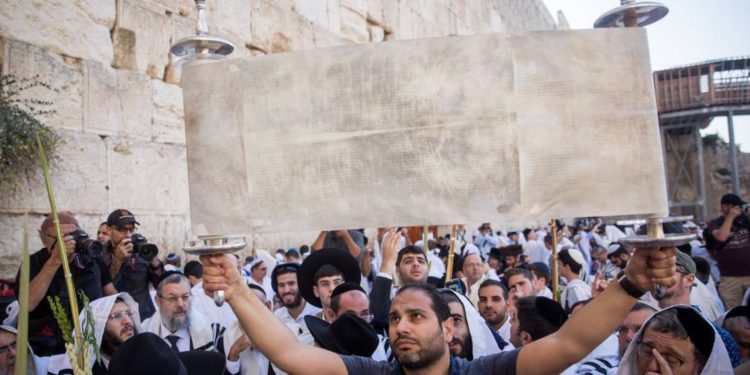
(19, 127)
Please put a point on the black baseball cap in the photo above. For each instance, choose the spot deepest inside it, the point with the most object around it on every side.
(120, 217)
(732, 199)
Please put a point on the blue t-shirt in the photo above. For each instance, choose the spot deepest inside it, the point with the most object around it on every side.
(497, 364)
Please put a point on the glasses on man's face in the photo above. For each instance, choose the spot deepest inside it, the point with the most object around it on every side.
(121, 314)
(645, 351)
(132, 229)
(4, 348)
(173, 299)
(367, 318)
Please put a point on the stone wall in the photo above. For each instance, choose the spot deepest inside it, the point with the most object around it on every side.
(119, 106)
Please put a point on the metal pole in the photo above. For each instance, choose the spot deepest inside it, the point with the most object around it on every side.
(701, 172)
(733, 154)
(555, 275)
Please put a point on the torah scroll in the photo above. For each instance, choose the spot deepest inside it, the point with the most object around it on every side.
(505, 128)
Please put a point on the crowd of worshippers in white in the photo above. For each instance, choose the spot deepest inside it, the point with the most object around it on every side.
(341, 306)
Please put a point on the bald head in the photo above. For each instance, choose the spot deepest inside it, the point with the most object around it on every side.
(353, 301)
(473, 268)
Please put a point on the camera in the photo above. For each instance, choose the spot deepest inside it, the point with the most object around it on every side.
(84, 244)
(145, 250)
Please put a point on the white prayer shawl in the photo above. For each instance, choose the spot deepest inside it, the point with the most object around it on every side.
(701, 296)
(535, 251)
(546, 293)
(252, 362)
(575, 291)
(482, 340)
(204, 335)
(437, 267)
(584, 245)
(504, 330)
(606, 351)
(223, 315)
(473, 290)
(717, 364)
(101, 309)
(601, 241)
(614, 233)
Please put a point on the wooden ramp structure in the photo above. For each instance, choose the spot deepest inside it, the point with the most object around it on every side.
(688, 98)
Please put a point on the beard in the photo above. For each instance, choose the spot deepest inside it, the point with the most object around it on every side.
(176, 323)
(295, 302)
(430, 351)
(465, 349)
(494, 318)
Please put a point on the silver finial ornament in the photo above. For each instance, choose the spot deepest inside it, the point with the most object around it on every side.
(202, 46)
(632, 13)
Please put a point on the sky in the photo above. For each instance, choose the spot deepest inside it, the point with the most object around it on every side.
(693, 31)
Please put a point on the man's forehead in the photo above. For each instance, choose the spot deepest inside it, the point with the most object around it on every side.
(491, 291)
(119, 305)
(176, 288)
(287, 277)
(354, 297)
(456, 308)
(331, 278)
(411, 299)
(413, 256)
(515, 279)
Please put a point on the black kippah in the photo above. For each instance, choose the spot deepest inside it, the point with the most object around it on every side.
(551, 311)
(345, 287)
(700, 331)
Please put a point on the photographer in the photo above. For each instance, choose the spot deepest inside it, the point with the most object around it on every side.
(728, 241)
(46, 279)
(131, 260)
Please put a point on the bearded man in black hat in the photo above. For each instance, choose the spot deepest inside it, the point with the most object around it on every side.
(321, 272)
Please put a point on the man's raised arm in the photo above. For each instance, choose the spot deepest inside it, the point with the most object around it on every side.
(585, 330)
(266, 332)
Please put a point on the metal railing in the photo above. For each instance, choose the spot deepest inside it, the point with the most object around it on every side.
(723, 82)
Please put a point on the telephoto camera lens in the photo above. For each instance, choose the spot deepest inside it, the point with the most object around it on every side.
(84, 244)
(145, 250)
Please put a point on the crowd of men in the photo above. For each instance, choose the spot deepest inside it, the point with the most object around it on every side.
(349, 304)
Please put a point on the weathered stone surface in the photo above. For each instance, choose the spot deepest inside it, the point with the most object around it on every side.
(79, 179)
(152, 28)
(168, 122)
(136, 102)
(315, 11)
(275, 30)
(118, 102)
(28, 61)
(110, 85)
(232, 18)
(148, 177)
(354, 26)
(102, 101)
(62, 26)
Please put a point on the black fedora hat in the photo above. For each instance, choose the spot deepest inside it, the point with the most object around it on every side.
(340, 259)
(347, 335)
(495, 253)
(147, 353)
(282, 269)
(511, 250)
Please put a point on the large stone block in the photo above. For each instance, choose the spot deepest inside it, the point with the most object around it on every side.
(324, 38)
(118, 102)
(65, 27)
(232, 18)
(166, 231)
(28, 61)
(103, 113)
(169, 122)
(277, 30)
(152, 28)
(79, 179)
(102, 12)
(148, 177)
(136, 102)
(354, 26)
(315, 11)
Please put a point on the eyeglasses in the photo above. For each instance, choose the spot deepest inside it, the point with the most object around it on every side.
(132, 229)
(645, 351)
(367, 318)
(5, 348)
(121, 314)
(173, 299)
